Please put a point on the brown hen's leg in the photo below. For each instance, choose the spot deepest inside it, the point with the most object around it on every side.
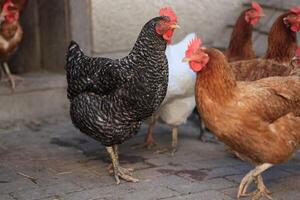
(262, 191)
(118, 171)
(255, 175)
(11, 78)
(149, 142)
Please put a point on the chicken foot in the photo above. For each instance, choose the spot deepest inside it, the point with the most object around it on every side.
(255, 175)
(174, 143)
(118, 171)
(11, 78)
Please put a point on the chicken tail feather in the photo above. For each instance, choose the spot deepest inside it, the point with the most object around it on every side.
(74, 51)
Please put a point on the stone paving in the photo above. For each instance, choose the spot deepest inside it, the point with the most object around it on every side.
(53, 161)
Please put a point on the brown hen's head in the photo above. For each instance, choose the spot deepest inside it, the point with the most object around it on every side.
(292, 20)
(10, 12)
(196, 56)
(166, 27)
(254, 14)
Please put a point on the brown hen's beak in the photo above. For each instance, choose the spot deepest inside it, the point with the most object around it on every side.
(185, 59)
(175, 26)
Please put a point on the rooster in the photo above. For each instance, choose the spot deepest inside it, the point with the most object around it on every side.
(179, 101)
(11, 34)
(110, 98)
(240, 46)
(282, 44)
(259, 120)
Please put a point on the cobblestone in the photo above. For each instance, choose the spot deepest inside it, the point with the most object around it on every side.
(68, 165)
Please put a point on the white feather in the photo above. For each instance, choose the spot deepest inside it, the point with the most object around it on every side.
(180, 100)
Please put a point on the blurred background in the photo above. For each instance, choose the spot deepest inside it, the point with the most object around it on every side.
(105, 28)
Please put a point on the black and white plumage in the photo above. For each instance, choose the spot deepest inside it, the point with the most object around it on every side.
(110, 98)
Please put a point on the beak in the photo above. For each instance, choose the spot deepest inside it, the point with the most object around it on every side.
(175, 26)
(185, 59)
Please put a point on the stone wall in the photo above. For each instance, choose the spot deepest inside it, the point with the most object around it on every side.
(116, 24)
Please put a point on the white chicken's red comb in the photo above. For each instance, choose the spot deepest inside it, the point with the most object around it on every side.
(168, 12)
(194, 45)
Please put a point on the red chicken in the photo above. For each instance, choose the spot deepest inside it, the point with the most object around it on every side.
(240, 46)
(20, 4)
(11, 34)
(259, 120)
(282, 43)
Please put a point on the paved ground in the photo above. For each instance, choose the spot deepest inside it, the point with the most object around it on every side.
(68, 165)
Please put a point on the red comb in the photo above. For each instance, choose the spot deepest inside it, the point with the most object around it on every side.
(193, 47)
(297, 52)
(167, 11)
(295, 10)
(8, 4)
(257, 7)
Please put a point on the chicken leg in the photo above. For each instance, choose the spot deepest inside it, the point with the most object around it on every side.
(11, 78)
(119, 172)
(174, 143)
(255, 175)
(174, 139)
(149, 141)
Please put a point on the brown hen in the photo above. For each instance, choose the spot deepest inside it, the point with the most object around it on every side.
(240, 46)
(282, 44)
(259, 120)
(11, 34)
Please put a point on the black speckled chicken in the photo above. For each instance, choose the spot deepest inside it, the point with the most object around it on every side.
(110, 98)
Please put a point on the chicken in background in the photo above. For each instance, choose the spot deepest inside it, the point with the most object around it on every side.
(179, 102)
(11, 35)
(110, 98)
(259, 120)
(240, 45)
(20, 4)
(282, 44)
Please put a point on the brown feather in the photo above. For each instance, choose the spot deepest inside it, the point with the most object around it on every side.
(260, 120)
(10, 37)
(282, 42)
(240, 45)
(255, 69)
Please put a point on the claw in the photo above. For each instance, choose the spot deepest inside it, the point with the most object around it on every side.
(146, 145)
(116, 169)
(255, 175)
(246, 181)
(10, 77)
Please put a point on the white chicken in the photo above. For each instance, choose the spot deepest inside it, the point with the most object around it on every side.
(179, 102)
